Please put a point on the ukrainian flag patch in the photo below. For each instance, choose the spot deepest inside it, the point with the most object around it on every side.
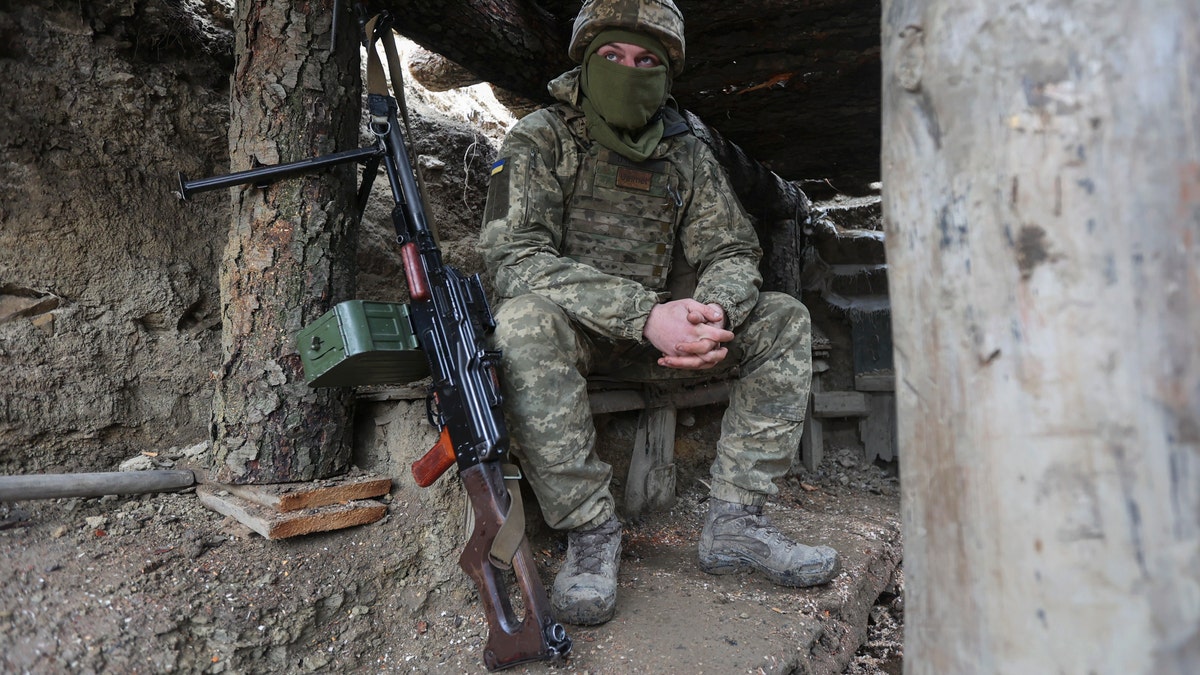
(499, 165)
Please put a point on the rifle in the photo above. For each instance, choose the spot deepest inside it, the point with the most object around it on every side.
(450, 318)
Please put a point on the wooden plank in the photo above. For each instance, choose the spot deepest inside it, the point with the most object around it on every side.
(612, 401)
(878, 430)
(275, 525)
(620, 400)
(840, 404)
(692, 396)
(411, 392)
(881, 380)
(312, 494)
(650, 483)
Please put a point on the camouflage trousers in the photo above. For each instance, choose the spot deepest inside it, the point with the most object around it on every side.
(547, 358)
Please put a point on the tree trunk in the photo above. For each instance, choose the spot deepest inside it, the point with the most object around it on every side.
(1041, 173)
(290, 254)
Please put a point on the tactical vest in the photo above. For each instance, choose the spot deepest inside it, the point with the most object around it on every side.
(621, 217)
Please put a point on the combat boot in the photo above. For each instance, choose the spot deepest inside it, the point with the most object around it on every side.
(585, 590)
(738, 538)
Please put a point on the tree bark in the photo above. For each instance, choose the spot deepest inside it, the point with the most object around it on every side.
(291, 248)
(1041, 173)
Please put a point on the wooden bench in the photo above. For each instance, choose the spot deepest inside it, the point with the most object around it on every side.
(650, 481)
(875, 408)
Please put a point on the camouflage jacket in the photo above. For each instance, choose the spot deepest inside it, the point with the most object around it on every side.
(524, 231)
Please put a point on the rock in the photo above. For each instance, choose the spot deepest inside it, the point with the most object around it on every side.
(138, 463)
(194, 452)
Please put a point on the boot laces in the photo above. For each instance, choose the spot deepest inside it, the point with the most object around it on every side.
(762, 529)
(754, 524)
(589, 547)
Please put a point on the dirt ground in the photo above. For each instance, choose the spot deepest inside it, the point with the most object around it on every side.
(158, 583)
(118, 365)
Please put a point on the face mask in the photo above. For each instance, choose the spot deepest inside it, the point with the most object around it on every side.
(627, 98)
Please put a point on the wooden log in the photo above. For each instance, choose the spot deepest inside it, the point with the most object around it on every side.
(1042, 208)
(436, 72)
(62, 485)
(290, 254)
(513, 44)
(650, 484)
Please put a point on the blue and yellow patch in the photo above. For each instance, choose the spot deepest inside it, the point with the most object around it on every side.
(499, 165)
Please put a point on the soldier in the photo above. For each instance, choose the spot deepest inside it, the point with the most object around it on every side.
(618, 248)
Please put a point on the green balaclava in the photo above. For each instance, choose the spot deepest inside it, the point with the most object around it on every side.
(622, 103)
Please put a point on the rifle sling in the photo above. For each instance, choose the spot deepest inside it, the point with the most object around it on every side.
(512, 530)
(376, 80)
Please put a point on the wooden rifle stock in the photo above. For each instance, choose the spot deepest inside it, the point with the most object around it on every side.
(512, 640)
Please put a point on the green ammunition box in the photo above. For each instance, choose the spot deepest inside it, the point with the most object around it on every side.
(361, 342)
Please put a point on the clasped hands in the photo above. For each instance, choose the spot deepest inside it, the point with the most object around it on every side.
(690, 335)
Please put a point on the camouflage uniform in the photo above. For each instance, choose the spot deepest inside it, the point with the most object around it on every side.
(582, 244)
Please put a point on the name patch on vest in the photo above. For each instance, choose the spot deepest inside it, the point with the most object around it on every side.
(633, 179)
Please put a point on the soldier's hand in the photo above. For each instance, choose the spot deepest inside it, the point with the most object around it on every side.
(710, 313)
(700, 355)
(690, 335)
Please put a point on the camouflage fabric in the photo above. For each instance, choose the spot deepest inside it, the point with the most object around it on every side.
(547, 357)
(524, 230)
(560, 320)
(659, 18)
(610, 189)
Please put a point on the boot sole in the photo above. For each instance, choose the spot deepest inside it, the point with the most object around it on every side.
(719, 564)
(591, 610)
(586, 616)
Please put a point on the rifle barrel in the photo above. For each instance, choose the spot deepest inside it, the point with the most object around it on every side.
(265, 175)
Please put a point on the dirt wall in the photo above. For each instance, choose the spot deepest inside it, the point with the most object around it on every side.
(108, 328)
(109, 305)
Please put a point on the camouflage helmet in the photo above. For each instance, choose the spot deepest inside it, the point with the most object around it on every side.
(659, 18)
